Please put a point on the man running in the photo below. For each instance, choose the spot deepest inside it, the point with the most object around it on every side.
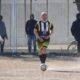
(43, 30)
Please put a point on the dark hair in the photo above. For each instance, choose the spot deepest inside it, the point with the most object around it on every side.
(77, 15)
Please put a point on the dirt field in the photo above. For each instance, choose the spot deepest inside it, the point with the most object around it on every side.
(28, 68)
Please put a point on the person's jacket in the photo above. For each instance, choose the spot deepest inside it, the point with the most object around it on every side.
(75, 29)
(30, 25)
(3, 32)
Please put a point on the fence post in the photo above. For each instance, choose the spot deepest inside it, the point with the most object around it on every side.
(30, 7)
(68, 18)
(47, 6)
(13, 26)
(0, 6)
(25, 10)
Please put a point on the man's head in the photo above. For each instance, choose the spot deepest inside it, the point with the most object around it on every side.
(1, 17)
(78, 16)
(32, 16)
(44, 16)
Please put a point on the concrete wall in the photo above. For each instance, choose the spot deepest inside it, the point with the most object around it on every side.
(60, 13)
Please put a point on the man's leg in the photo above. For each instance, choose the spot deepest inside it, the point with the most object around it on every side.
(43, 55)
(78, 47)
(34, 45)
(2, 47)
(29, 44)
(42, 47)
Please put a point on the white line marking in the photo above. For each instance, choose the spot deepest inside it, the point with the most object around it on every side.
(76, 68)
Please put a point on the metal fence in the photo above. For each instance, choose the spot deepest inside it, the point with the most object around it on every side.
(16, 12)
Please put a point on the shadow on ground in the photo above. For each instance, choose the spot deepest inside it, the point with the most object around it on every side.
(30, 57)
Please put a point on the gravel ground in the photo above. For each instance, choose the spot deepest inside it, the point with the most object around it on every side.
(28, 68)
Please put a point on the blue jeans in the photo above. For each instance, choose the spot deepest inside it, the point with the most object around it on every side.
(31, 40)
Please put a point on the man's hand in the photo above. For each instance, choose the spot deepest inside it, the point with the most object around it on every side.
(47, 37)
(1, 40)
(41, 40)
(7, 38)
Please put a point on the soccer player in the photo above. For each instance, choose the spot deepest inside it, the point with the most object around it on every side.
(43, 31)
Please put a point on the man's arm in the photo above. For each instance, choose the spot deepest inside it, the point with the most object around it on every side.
(26, 27)
(36, 33)
(51, 29)
(73, 28)
(51, 32)
(5, 32)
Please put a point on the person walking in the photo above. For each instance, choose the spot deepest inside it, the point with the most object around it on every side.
(29, 28)
(3, 34)
(75, 30)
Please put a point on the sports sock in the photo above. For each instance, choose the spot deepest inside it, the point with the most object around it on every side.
(43, 58)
